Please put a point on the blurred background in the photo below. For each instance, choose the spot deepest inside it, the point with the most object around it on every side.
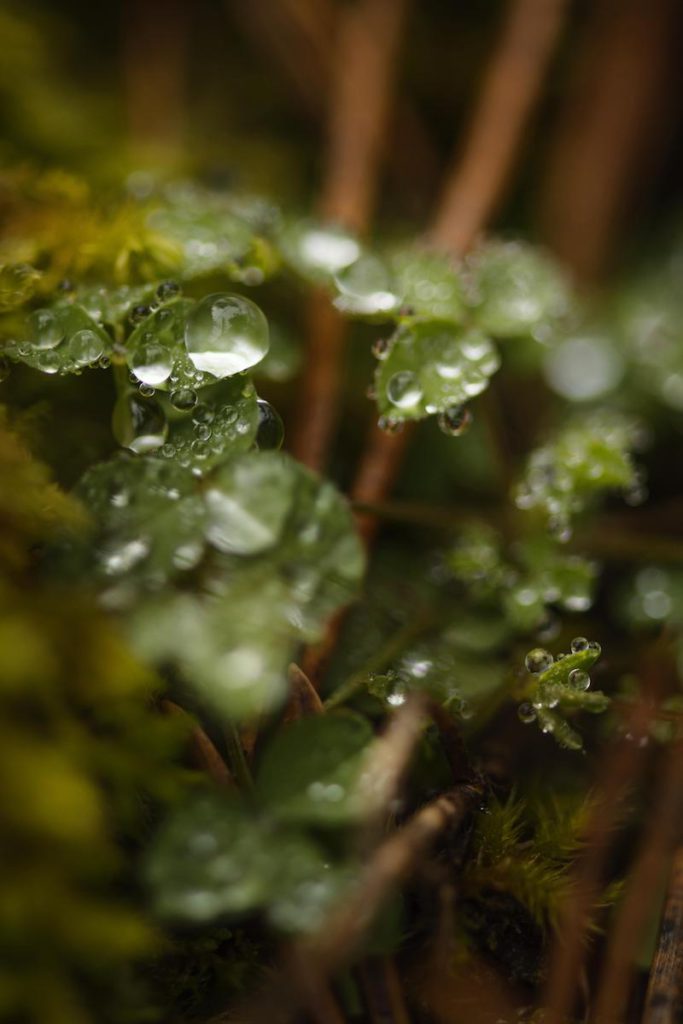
(241, 93)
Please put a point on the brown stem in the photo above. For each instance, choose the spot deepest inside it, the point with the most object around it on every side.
(664, 999)
(381, 986)
(611, 129)
(621, 767)
(662, 833)
(510, 90)
(204, 753)
(507, 99)
(343, 930)
(365, 58)
(154, 72)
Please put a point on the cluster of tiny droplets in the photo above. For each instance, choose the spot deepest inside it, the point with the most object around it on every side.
(561, 475)
(538, 661)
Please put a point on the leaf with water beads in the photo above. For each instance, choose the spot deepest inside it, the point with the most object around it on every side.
(208, 234)
(317, 252)
(561, 684)
(589, 456)
(148, 524)
(285, 557)
(18, 282)
(155, 348)
(214, 858)
(364, 289)
(430, 367)
(515, 289)
(61, 338)
(429, 285)
(208, 426)
(310, 772)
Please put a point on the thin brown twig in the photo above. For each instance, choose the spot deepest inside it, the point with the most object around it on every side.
(342, 931)
(508, 96)
(360, 102)
(611, 130)
(204, 752)
(662, 833)
(664, 999)
(621, 766)
(381, 987)
(511, 88)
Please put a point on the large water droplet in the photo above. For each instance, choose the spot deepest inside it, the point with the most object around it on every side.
(151, 362)
(538, 660)
(226, 334)
(403, 389)
(85, 347)
(139, 424)
(270, 431)
(45, 327)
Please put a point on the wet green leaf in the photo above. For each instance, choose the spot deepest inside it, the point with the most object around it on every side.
(310, 771)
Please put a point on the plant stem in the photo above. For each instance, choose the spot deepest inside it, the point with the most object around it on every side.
(236, 758)
(380, 660)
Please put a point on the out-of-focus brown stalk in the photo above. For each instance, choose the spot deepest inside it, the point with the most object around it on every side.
(383, 995)
(204, 753)
(620, 768)
(612, 129)
(511, 88)
(664, 829)
(368, 39)
(664, 999)
(508, 96)
(154, 73)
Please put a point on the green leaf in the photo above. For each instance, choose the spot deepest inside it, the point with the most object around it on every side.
(310, 771)
(515, 290)
(211, 424)
(61, 338)
(431, 367)
(429, 284)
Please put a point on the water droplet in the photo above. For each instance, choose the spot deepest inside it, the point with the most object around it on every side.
(146, 390)
(168, 290)
(455, 420)
(104, 362)
(49, 361)
(538, 660)
(526, 713)
(45, 329)
(183, 399)
(380, 348)
(200, 449)
(389, 425)
(579, 643)
(594, 647)
(270, 431)
(203, 414)
(225, 334)
(578, 679)
(139, 313)
(403, 389)
(139, 424)
(85, 347)
(151, 363)
(203, 432)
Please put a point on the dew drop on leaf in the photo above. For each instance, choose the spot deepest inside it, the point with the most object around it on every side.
(46, 329)
(526, 713)
(579, 643)
(270, 431)
(226, 334)
(151, 362)
(183, 399)
(455, 420)
(578, 679)
(139, 424)
(538, 660)
(85, 347)
(403, 389)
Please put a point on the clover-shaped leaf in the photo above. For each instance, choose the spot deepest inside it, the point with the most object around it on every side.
(432, 366)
